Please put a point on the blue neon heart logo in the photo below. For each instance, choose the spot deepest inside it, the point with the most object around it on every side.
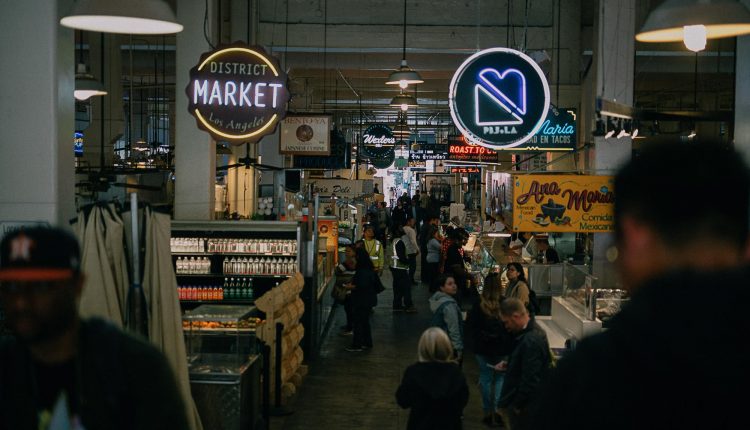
(509, 86)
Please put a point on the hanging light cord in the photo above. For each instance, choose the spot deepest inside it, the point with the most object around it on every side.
(404, 45)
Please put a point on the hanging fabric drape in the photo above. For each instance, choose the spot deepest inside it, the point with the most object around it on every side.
(103, 263)
(164, 315)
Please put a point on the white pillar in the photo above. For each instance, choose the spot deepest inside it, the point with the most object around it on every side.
(742, 96)
(36, 113)
(614, 57)
(195, 151)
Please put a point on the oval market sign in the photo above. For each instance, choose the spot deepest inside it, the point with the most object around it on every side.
(499, 98)
(237, 93)
(379, 144)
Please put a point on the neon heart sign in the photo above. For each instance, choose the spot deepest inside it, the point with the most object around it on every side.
(499, 98)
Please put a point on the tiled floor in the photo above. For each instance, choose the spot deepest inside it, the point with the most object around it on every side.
(346, 390)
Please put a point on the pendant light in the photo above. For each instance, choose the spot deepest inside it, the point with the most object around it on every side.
(125, 17)
(403, 101)
(86, 86)
(401, 130)
(404, 75)
(693, 22)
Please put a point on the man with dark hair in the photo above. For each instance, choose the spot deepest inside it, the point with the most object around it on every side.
(676, 355)
(60, 368)
(528, 363)
(424, 237)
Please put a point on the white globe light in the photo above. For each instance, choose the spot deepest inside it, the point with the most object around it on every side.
(404, 107)
(694, 37)
(403, 84)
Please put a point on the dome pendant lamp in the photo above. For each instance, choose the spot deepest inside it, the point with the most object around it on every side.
(694, 21)
(86, 85)
(404, 101)
(404, 75)
(124, 17)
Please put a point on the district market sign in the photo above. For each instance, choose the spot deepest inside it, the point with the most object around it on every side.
(499, 98)
(237, 93)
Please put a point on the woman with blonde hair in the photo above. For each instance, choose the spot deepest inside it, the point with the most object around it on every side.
(434, 387)
(492, 344)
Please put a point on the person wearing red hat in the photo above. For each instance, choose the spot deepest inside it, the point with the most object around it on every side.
(57, 364)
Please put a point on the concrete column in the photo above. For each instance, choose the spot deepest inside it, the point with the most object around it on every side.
(742, 96)
(36, 113)
(195, 151)
(614, 59)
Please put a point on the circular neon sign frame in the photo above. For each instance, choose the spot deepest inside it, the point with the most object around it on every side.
(459, 121)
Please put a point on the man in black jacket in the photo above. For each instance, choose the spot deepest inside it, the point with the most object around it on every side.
(676, 355)
(528, 364)
(57, 364)
(402, 300)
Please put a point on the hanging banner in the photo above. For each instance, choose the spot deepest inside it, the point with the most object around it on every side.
(558, 132)
(305, 135)
(340, 157)
(237, 93)
(498, 98)
(563, 203)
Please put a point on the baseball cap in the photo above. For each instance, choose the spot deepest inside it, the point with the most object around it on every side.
(39, 254)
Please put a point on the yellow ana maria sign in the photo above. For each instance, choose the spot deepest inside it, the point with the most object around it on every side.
(563, 203)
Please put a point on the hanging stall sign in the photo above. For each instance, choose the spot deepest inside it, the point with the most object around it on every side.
(466, 169)
(341, 187)
(305, 135)
(461, 150)
(424, 151)
(498, 98)
(340, 157)
(237, 93)
(558, 132)
(378, 143)
(563, 203)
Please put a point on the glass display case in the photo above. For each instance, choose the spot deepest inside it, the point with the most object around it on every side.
(220, 339)
(582, 293)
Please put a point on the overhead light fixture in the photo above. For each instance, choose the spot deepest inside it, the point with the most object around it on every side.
(86, 85)
(609, 134)
(404, 75)
(404, 101)
(140, 145)
(694, 37)
(401, 130)
(622, 134)
(124, 17)
(692, 134)
(694, 21)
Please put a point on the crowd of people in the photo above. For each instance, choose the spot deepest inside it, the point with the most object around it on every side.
(670, 359)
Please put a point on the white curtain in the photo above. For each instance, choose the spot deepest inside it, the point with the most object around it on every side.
(164, 315)
(103, 264)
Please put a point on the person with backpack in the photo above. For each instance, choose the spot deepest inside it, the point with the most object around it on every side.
(400, 270)
(446, 314)
(492, 343)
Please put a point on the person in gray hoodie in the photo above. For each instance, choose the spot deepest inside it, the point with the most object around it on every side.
(446, 313)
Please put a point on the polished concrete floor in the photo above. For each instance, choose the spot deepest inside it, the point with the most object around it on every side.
(356, 390)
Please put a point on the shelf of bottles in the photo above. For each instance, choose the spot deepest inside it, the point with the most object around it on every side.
(202, 246)
(239, 290)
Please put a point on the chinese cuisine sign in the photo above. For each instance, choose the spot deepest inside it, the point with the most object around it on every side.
(563, 203)
(237, 93)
